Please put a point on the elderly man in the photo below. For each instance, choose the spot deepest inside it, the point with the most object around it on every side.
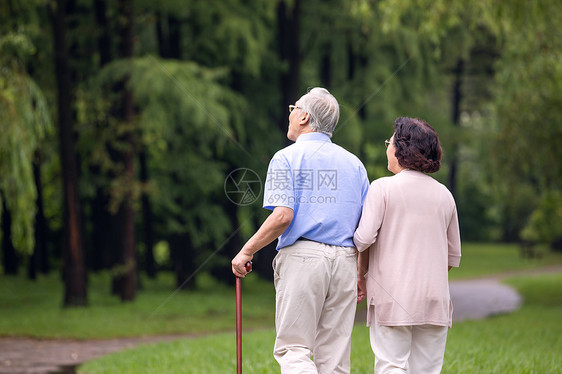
(316, 191)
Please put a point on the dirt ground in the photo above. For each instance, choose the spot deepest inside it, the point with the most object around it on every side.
(472, 299)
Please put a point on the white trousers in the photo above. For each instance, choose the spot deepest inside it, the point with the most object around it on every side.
(408, 349)
(316, 298)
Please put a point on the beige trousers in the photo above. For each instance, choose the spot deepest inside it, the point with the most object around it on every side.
(316, 298)
(408, 349)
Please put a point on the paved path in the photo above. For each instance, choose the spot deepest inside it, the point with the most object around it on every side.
(472, 299)
(485, 297)
(20, 355)
(477, 299)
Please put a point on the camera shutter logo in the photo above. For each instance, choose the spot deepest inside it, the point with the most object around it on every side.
(242, 186)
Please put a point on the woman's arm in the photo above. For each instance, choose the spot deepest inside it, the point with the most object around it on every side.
(362, 269)
(371, 218)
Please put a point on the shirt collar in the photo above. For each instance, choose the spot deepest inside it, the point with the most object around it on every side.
(313, 136)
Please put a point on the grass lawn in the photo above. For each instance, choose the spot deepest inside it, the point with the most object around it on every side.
(34, 308)
(526, 341)
(30, 308)
(479, 260)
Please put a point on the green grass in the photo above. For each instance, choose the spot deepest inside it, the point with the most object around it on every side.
(479, 260)
(522, 342)
(30, 308)
(33, 309)
(526, 341)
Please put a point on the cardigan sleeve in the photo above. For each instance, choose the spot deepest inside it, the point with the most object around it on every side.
(371, 218)
(454, 240)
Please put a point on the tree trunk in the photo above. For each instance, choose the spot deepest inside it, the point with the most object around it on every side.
(127, 261)
(9, 256)
(350, 59)
(457, 97)
(39, 261)
(74, 272)
(183, 260)
(168, 33)
(41, 227)
(125, 214)
(326, 66)
(104, 39)
(264, 260)
(364, 64)
(223, 273)
(289, 51)
(147, 219)
(357, 63)
(104, 235)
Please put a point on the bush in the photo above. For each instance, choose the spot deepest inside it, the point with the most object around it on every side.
(545, 223)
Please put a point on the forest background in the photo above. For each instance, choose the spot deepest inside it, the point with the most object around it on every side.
(123, 122)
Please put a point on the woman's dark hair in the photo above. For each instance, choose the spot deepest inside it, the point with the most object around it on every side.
(417, 145)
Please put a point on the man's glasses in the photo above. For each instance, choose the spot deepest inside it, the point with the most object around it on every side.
(386, 143)
(293, 107)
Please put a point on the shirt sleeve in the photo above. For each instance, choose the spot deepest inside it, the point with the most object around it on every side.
(278, 190)
(454, 240)
(371, 218)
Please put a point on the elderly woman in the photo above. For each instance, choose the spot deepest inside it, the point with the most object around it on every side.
(408, 238)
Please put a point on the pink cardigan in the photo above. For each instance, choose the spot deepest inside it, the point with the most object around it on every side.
(410, 227)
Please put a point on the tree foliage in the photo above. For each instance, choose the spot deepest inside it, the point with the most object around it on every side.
(528, 96)
(25, 120)
(208, 86)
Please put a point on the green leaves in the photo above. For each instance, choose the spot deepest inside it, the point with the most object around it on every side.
(215, 105)
(545, 223)
(24, 122)
(186, 120)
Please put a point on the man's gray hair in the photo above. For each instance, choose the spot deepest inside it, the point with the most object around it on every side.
(323, 109)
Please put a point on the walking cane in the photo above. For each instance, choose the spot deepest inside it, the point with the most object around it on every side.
(239, 320)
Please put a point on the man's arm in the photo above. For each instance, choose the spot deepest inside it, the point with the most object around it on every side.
(271, 228)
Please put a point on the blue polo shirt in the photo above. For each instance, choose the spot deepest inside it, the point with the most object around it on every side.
(323, 184)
